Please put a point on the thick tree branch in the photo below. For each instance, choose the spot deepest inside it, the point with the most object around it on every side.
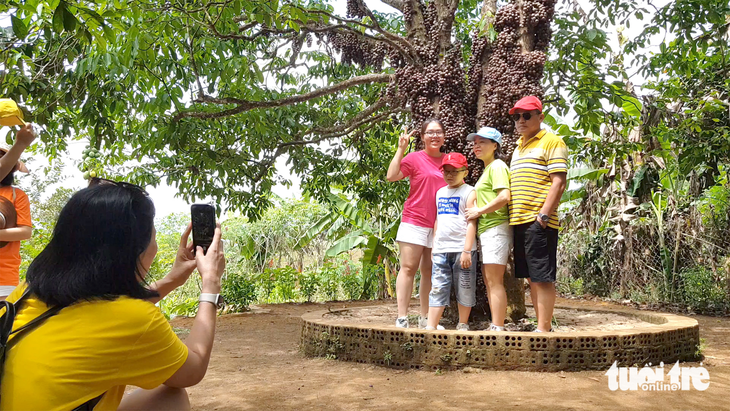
(396, 4)
(488, 14)
(415, 26)
(246, 105)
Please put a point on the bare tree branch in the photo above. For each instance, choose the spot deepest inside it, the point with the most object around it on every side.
(365, 117)
(246, 105)
(396, 4)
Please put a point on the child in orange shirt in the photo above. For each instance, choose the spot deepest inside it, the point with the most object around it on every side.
(9, 163)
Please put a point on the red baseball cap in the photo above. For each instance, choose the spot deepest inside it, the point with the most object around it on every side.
(528, 103)
(456, 160)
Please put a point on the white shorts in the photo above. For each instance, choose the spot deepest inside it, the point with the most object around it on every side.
(496, 244)
(5, 290)
(413, 234)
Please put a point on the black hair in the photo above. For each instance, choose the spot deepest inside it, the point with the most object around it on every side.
(95, 248)
(8, 180)
(498, 154)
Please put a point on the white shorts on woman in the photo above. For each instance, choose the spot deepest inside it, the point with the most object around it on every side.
(496, 244)
(413, 234)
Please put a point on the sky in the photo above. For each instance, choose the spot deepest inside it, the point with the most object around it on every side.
(164, 196)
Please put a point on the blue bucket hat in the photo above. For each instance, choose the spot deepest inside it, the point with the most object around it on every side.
(487, 132)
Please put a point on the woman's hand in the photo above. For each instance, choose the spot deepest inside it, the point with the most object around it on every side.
(465, 260)
(25, 135)
(472, 213)
(405, 139)
(184, 263)
(212, 264)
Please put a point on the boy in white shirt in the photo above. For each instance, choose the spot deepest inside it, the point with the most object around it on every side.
(454, 245)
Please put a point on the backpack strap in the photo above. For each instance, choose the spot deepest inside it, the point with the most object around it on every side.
(8, 318)
(89, 405)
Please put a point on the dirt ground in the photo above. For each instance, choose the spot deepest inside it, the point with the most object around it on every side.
(256, 365)
(568, 320)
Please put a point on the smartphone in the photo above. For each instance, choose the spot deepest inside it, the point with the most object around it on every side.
(203, 217)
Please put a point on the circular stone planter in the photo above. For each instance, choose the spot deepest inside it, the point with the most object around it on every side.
(666, 338)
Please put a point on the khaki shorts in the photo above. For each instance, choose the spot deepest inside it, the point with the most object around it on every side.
(496, 244)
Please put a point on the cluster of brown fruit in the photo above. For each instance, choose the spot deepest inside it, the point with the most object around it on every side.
(436, 86)
(512, 72)
(355, 50)
(355, 9)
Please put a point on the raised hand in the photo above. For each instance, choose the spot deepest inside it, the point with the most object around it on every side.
(25, 135)
(211, 264)
(405, 139)
(185, 262)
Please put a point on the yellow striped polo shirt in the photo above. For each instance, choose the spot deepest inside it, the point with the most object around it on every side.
(530, 170)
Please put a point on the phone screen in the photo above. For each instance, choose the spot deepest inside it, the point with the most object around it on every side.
(203, 217)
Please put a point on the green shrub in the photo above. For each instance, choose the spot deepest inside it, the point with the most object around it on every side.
(179, 307)
(570, 286)
(371, 279)
(352, 282)
(285, 282)
(238, 292)
(266, 282)
(702, 291)
(329, 280)
(308, 285)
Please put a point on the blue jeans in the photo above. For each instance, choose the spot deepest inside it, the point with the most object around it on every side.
(446, 271)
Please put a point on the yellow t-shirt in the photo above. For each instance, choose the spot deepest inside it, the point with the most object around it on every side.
(85, 350)
(530, 182)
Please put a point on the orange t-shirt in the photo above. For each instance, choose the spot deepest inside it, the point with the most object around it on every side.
(10, 254)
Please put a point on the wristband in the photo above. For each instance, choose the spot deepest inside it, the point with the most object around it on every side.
(214, 299)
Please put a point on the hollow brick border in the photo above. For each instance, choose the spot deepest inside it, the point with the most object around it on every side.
(668, 338)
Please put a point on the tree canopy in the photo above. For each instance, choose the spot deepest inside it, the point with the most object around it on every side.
(207, 95)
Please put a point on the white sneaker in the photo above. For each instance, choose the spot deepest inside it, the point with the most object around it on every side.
(438, 327)
(493, 327)
(462, 327)
(401, 322)
(422, 322)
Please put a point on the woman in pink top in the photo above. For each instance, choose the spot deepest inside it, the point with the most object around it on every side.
(415, 234)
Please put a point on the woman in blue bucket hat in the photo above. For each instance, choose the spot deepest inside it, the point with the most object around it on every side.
(495, 234)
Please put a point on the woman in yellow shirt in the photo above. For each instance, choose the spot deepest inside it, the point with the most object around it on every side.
(108, 333)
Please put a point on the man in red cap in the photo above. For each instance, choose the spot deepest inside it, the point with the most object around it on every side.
(538, 174)
(454, 245)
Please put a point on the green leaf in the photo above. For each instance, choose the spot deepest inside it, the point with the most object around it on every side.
(631, 106)
(58, 17)
(570, 195)
(375, 248)
(19, 27)
(347, 243)
(591, 34)
(348, 211)
(586, 173)
(69, 20)
(316, 229)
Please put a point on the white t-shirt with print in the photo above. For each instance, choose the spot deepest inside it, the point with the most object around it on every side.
(450, 234)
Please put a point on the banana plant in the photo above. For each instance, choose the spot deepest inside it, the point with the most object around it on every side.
(352, 230)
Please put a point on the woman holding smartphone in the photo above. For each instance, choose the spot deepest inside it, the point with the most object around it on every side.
(415, 234)
(108, 333)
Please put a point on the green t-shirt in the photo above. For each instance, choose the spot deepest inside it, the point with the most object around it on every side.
(494, 178)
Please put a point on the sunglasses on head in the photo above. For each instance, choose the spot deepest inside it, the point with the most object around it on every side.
(526, 116)
(98, 181)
